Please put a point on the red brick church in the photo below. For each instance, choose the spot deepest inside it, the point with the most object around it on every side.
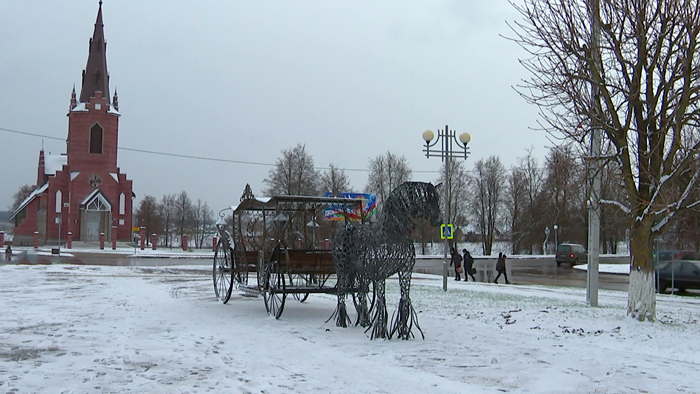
(82, 191)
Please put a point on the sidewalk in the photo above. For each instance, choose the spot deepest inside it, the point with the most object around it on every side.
(124, 249)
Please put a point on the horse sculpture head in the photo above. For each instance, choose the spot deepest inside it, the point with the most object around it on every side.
(412, 200)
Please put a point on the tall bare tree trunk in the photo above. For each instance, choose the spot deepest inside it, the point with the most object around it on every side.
(641, 301)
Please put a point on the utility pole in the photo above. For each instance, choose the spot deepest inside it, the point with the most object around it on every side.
(594, 164)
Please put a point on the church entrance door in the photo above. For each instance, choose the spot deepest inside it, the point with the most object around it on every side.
(96, 219)
(92, 226)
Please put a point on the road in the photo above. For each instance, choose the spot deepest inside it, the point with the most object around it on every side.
(521, 270)
(534, 271)
(106, 258)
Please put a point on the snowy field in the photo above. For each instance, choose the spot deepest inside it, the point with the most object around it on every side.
(99, 329)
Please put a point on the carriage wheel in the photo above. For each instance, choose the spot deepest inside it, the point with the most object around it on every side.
(275, 291)
(239, 275)
(223, 271)
(261, 277)
(296, 280)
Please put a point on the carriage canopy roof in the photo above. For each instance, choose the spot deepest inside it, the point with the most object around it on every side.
(293, 203)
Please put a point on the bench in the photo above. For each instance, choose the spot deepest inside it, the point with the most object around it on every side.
(251, 260)
(308, 261)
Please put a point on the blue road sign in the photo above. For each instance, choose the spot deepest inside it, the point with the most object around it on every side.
(447, 231)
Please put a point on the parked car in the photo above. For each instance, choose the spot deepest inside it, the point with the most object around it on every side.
(678, 274)
(664, 256)
(668, 255)
(571, 254)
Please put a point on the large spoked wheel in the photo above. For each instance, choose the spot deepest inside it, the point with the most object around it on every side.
(222, 271)
(296, 280)
(239, 274)
(274, 290)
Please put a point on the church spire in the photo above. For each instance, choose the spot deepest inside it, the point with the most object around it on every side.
(95, 76)
(115, 100)
(73, 99)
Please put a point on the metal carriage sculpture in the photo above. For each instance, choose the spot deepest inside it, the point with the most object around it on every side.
(268, 243)
(360, 260)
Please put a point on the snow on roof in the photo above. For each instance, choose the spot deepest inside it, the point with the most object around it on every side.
(96, 194)
(116, 178)
(80, 107)
(29, 198)
(113, 111)
(261, 200)
(54, 163)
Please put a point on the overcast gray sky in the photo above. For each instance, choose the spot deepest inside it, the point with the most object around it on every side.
(243, 80)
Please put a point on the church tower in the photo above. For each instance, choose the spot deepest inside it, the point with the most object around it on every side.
(82, 193)
(100, 195)
(93, 124)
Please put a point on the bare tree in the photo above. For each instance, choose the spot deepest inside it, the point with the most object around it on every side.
(202, 220)
(614, 223)
(147, 214)
(335, 181)
(183, 212)
(166, 213)
(630, 69)
(19, 196)
(534, 215)
(486, 203)
(515, 204)
(565, 198)
(458, 194)
(294, 174)
(386, 173)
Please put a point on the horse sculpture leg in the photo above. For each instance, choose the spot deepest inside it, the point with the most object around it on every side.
(341, 313)
(381, 317)
(363, 318)
(405, 316)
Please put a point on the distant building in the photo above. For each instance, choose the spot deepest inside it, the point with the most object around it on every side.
(82, 191)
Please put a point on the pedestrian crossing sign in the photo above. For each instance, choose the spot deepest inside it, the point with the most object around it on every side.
(447, 231)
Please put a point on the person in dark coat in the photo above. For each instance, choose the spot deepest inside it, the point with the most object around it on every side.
(468, 265)
(456, 259)
(501, 268)
(8, 253)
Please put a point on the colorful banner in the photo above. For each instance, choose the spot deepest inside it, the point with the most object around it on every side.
(369, 207)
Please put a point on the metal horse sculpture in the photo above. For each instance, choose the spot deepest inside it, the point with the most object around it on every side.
(365, 254)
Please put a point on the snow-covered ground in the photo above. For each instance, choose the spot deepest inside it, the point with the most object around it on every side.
(100, 329)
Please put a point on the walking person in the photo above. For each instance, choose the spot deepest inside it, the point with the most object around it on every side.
(501, 268)
(456, 259)
(468, 266)
(8, 253)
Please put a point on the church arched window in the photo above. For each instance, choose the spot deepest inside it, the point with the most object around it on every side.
(96, 139)
(59, 201)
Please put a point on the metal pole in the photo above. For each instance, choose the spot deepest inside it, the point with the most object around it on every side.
(446, 138)
(673, 277)
(447, 152)
(656, 264)
(594, 171)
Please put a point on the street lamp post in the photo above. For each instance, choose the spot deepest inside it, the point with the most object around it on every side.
(556, 236)
(449, 141)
